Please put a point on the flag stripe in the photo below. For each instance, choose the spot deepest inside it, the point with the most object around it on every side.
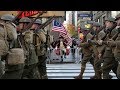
(58, 27)
(68, 38)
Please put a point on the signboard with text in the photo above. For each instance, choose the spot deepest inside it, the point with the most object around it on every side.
(84, 15)
(28, 13)
(35, 13)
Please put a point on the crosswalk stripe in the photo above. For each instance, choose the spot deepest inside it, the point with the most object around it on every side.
(68, 71)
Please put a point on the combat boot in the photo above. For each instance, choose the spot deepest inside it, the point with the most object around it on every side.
(110, 76)
(44, 77)
(80, 76)
(98, 75)
(93, 77)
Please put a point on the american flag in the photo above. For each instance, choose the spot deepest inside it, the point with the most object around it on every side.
(58, 27)
(67, 37)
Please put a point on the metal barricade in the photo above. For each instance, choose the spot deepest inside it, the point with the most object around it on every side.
(73, 56)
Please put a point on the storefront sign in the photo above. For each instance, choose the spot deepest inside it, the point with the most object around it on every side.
(28, 13)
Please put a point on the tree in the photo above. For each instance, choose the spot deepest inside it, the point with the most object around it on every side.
(71, 29)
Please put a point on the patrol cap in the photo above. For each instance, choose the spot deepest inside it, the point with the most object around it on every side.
(110, 19)
(117, 17)
(97, 24)
(7, 17)
(38, 21)
(25, 20)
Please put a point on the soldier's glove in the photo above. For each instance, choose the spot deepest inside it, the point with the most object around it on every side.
(100, 42)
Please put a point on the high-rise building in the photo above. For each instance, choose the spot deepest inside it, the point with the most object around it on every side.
(114, 13)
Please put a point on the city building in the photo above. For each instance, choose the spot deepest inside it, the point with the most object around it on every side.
(100, 16)
(59, 16)
(83, 16)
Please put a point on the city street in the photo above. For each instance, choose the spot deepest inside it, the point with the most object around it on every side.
(69, 58)
(68, 71)
(62, 42)
(69, 68)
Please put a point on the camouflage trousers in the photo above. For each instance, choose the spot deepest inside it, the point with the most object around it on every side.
(42, 67)
(13, 72)
(30, 72)
(108, 65)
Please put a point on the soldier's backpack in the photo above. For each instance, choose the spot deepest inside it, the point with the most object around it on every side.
(40, 40)
(15, 56)
(89, 36)
(28, 37)
(4, 47)
(11, 31)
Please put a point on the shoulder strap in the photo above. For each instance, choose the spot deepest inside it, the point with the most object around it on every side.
(18, 39)
(36, 36)
(5, 38)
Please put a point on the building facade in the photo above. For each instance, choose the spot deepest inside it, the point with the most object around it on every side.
(83, 16)
(100, 16)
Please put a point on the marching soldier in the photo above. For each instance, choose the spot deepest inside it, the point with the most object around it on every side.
(26, 42)
(94, 32)
(116, 53)
(13, 66)
(4, 46)
(39, 42)
(87, 51)
(109, 62)
(116, 44)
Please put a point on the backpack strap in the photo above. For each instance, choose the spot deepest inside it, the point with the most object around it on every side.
(5, 34)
